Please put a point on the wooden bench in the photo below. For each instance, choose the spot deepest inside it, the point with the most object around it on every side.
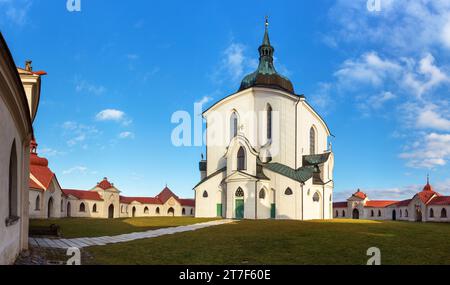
(52, 230)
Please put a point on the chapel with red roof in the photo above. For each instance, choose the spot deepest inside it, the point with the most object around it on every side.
(47, 199)
(425, 206)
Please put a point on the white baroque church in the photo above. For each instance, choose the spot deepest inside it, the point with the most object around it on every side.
(267, 152)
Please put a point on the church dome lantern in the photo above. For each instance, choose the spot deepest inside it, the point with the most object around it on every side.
(266, 75)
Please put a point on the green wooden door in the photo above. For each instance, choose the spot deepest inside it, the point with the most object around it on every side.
(272, 211)
(219, 210)
(239, 209)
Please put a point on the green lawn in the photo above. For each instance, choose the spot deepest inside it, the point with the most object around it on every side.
(82, 227)
(287, 242)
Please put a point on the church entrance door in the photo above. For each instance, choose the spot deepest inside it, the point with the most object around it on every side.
(239, 209)
(394, 215)
(418, 215)
(50, 208)
(111, 211)
(355, 214)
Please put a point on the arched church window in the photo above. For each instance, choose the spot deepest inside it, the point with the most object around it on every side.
(12, 185)
(316, 197)
(443, 213)
(262, 194)
(269, 122)
(401, 213)
(183, 212)
(192, 211)
(234, 122)
(157, 210)
(146, 210)
(431, 213)
(406, 213)
(372, 214)
(94, 208)
(343, 213)
(82, 208)
(241, 159)
(288, 192)
(38, 203)
(337, 214)
(312, 141)
(240, 193)
(205, 194)
(379, 213)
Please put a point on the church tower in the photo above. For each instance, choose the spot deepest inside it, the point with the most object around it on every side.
(267, 151)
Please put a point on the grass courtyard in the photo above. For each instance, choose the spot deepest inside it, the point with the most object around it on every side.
(83, 227)
(287, 242)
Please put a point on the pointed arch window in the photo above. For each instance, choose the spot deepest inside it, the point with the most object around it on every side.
(379, 213)
(337, 214)
(234, 122)
(269, 122)
(37, 206)
(343, 213)
(183, 212)
(241, 159)
(406, 213)
(443, 213)
(372, 214)
(431, 213)
(262, 194)
(12, 184)
(288, 192)
(316, 197)
(82, 208)
(157, 210)
(240, 193)
(312, 141)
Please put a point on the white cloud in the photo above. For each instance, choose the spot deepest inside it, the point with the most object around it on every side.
(110, 115)
(431, 151)
(78, 133)
(401, 25)
(204, 100)
(15, 11)
(126, 135)
(430, 119)
(85, 86)
(76, 170)
(370, 69)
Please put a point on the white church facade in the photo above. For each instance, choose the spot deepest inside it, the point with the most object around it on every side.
(267, 152)
(19, 100)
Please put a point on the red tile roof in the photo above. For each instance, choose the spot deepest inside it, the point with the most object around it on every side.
(105, 184)
(34, 185)
(360, 194)
(83, 195)
(39, 169)
(425, 196)
(160, 199)
(340, 205)
(440, 200)
(142, 200)
(379, 203)
(187, 202)
(166, 194)
(403, 203)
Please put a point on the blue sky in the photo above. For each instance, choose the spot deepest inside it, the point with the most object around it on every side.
(118, 70)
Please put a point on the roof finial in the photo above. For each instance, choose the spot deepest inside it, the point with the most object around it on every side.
(267, 21)
(428, 179)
